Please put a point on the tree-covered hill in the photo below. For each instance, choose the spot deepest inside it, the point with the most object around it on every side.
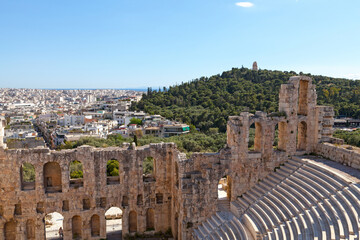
(207, 102)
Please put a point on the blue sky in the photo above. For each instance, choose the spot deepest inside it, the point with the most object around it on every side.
(140, 43)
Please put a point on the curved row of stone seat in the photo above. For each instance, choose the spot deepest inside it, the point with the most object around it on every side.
(222, 225)
(301, 201)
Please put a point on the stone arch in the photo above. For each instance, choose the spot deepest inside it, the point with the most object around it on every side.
(112, 172)
(76, 174)
(10, 230)
(30, 229)
(149, 166)
(27, 176)
(50, 227)
(132, 221)
(224, 188)
(159, 198)
(139, 200)
(150, 219)
(76, 226)
(52, 177)
(125, 201)
(302, 136)
(114, 217)
(255, 133)
(281, 136)
(303, 97)
(95, 225)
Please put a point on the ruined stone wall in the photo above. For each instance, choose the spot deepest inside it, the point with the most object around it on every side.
(183, 192)
(93, 196)
(346, 155)
(301, 125)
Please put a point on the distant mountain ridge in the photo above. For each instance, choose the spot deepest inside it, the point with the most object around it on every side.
(207, 102)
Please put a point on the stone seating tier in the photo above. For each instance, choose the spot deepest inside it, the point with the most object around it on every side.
(300, 200)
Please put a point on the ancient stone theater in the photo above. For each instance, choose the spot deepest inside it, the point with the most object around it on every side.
(306, 186)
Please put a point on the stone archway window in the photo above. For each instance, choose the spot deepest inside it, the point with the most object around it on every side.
(149, 169)
(255, 135)
(27, 176)
(150, 219)
(159, 198)
(125, 201)
(95, 225)
(52, 177)
(139, 200)
(114, 217)
(303, 98)
(30, 229)
(76, 227)
(112, 172)
(76, 174)
(302, 136)
(280, 140)
(132, 221)
(10, 230)
(51, 228)
(224, 188)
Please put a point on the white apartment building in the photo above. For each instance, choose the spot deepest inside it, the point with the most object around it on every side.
(71, 120)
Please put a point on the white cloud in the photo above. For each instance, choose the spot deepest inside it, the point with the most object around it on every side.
(244, 4)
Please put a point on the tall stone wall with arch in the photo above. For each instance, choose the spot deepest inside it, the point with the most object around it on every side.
(181, 193)
(54, 191)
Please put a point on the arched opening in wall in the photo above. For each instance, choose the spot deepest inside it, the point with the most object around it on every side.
(301, 136)
(95, 225)
(176, 174)
(113, 218)
(125, 201)
(224, 193)
(76, 226)
(303, 98)
(149, 169)
(150, 220)
(27, 176)
(255, 134)
(112, 172)
(280, 136)
(54, 226)
(52, 177)
(139, 200)
(132, 221)
(30, 229)
(10, 230)
(76, 174)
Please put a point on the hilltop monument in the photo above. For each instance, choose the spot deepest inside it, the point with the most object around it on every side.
(255, 66)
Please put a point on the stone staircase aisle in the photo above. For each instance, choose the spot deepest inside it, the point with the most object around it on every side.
(223, 205)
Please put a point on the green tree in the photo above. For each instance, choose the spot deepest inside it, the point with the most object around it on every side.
(135, 121)
(148, 165)
(28, 171)
(208, 101)
(112, 168)
(76, 170)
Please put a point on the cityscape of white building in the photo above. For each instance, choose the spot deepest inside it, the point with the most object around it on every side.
(39, 117)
